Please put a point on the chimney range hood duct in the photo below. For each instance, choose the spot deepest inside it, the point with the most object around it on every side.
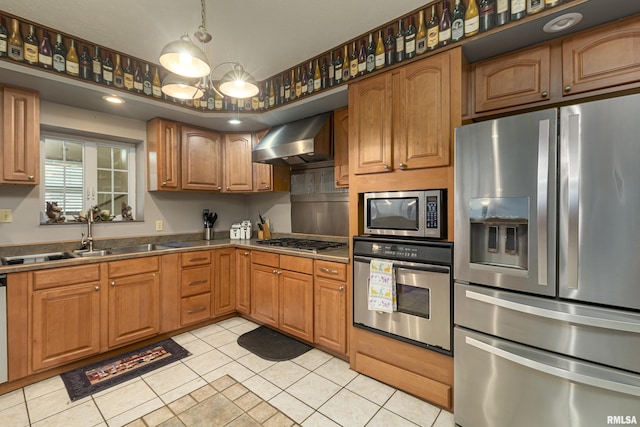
(303, 141)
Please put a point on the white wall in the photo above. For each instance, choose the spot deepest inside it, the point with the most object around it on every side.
(180, 212)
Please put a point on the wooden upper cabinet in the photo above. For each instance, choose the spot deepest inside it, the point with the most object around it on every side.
(518, 78)
(201, 159)
(20, 136)
(402, 119)
(163, 155)
(601, 58)
(238, 171)
(370, 124)
(341, 146)
(262, 172)
(421, 113)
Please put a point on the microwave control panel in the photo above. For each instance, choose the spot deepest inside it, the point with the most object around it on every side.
(433, 212)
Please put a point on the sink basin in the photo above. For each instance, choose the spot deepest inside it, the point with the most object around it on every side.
(97, 252)
(36, 258)
(137, 248)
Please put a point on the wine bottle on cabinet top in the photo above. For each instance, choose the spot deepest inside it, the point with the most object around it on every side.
(444, 34)
(487, 14)
(421, 35)
(324, 74)
(362, 59)
(118, 74)
(379, 52)
(457, 21)
(338, 68)
(96, 65)
(15, 44)
(311, 79)
(45, 51)
(345, 64)
(353, 62)
(331, 70)
(107, 69)
(3, 39)
(31, 47)
(298, 84)
(390, 47)
(400, 42)
(287, 88)
(371, 54)
(502, 12)
(281, 94)
(471, 19)
(433, 29)
(73, 65)
(534, 6)
(128, 75)
(147, 81)
(518, 9)
(138, 80)
(85, 63)
(410, 40)
(317, 76)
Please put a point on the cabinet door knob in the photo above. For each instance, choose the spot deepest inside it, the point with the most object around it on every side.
(97, 288)
(113, 283)
(267, 187)
(341, 288)
(275, 271)
(403, 165)
(247, 253)
(219, 188)
(278, 272)
(567, 88)
(31, 177)
(544, 94)
(386, 167)
(228, 188)
(164, 182)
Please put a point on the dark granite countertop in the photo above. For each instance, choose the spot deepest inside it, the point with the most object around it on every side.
(182, 243)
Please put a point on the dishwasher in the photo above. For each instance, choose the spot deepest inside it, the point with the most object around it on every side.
(3, 329)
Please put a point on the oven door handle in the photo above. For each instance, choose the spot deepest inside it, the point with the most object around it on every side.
(409, 266)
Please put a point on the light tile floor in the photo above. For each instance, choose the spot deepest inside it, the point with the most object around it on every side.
(315, 389)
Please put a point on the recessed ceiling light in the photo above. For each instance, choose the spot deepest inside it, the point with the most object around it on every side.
(562, 22)
(114, 99)
(234, 121)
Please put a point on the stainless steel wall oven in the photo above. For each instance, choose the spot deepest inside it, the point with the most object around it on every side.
(423, 283)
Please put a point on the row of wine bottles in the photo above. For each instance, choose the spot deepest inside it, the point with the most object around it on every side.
(436, 26)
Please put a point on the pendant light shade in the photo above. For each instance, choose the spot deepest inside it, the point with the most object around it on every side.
(181, 87)
(185, 58)
(237, 83)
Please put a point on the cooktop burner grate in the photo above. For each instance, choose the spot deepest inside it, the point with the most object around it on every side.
(307, 245)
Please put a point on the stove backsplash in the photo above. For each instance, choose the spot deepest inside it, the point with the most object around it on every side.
(317, 207)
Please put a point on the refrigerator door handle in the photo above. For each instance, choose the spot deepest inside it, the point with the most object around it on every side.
(573, 201)
(578, 319)
(577, 377)
(542, 200)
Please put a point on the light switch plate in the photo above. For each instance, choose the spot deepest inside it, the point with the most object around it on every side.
(6, 215)
(159, 225)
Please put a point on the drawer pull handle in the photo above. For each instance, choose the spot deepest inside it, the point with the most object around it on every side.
(197, 282)
(328, 270)
(247, 253)
(196, 310)
(197, 259)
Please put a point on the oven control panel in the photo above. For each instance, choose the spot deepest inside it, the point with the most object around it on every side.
(404, 249)
(399, 251)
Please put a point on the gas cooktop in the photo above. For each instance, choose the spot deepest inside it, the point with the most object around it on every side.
(306, 245)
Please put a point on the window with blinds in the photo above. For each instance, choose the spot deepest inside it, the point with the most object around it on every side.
(80, 174)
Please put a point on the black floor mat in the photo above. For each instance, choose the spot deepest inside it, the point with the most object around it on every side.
(272, 345)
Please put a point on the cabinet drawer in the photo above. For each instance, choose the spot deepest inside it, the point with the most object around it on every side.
(296, 263)
(331, 270)
(195, 281)
(128, 267)
(265, 258)
(195, 309)
(45, 279)
(195, 258)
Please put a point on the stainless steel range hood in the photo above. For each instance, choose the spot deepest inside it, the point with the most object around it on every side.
(303, 141)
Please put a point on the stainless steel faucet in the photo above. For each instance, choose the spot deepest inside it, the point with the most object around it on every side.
(87, 241)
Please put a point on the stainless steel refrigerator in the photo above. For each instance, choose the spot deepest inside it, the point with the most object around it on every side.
(547, 268)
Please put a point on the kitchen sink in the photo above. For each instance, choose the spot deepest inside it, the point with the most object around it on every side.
(96, 252)
(121, 250)
(36, 258)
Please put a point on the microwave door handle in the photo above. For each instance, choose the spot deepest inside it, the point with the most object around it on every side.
(543, 196)
(577, 377)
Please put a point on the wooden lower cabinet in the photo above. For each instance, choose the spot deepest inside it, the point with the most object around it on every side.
(282, 293)
(330, 305)
(68, 307)
(224, 283)
(196, 278)
(243, 281)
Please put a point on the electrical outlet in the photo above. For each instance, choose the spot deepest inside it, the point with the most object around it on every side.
(5, 215)
(159, 225)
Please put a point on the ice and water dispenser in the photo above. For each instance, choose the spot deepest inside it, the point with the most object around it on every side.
(499, 232)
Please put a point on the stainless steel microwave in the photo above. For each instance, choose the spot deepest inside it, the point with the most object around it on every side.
(406, 213)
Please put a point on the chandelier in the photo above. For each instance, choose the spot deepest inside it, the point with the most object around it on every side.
(191, 74)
